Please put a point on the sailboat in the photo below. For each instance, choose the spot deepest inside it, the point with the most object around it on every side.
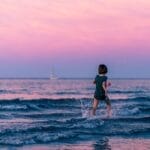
(53, 75)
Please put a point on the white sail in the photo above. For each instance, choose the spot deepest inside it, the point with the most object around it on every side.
(53, 75)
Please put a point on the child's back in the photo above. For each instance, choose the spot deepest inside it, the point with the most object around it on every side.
(101, 89)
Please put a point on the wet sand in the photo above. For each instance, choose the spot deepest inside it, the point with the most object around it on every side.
(111, 144)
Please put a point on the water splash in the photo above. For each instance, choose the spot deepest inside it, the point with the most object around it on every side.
(86, 108)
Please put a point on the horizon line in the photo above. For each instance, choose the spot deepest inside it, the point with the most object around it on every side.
(72, 78)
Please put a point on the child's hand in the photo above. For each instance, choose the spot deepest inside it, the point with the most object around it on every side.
(109, 84)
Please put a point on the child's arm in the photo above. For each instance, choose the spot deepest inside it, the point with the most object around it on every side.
(94, 82)
(105, 86)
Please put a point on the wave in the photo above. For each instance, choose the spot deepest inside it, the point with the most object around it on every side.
(67, 92)
(145, 119)
(142, 103)
(49, 115)
(125, 92)
(42, 138)
(8, 92)
(79, 125)
(72, 130)
(63, 100)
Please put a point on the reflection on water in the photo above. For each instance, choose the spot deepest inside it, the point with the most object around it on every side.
(102, 144)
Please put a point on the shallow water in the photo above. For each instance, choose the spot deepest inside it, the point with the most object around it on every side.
(55, 114)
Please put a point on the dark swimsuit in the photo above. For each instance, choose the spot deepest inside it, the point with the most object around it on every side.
(99, 92)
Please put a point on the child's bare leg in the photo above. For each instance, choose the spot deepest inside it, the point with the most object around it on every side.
(95, 105)
(109, 110)
(107, 100)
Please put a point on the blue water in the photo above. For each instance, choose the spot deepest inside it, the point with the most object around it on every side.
(57, 113)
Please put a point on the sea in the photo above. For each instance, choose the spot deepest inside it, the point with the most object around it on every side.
(43, 114)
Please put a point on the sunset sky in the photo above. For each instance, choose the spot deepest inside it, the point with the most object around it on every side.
(74, 37)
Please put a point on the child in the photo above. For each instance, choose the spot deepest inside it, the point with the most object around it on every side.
(101, 89)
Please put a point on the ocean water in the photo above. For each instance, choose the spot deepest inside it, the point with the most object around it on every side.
(55, 115)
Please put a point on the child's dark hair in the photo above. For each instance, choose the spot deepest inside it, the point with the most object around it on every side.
(102, 69)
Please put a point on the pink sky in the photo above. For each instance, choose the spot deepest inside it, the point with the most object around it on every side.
(74, 30)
